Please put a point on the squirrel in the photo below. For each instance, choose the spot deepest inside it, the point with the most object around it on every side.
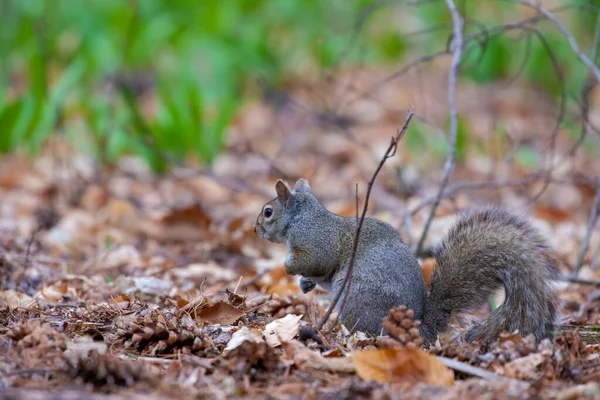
(487, 248)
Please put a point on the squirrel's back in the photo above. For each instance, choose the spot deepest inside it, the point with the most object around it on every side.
(487, 249)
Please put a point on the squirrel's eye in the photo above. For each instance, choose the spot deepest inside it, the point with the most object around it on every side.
(268, 212)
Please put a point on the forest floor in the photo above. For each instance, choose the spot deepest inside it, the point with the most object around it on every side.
(118, 283)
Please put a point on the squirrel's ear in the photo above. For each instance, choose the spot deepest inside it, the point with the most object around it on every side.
(283, 191)
(302, 186)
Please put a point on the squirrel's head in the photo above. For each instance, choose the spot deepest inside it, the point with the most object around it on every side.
(273, 220)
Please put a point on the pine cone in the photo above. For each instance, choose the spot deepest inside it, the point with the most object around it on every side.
(155, 334)
(400, 324)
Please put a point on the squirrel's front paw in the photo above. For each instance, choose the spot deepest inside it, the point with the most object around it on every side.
(307, 284)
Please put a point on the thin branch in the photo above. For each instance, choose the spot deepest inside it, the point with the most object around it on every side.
(594, 256)
(594, 52)
(589, 229)
(470, 369)
(488, 185)
(563, 107)
(567, 34)
(346, 286)
(579, 281)
(449, 165)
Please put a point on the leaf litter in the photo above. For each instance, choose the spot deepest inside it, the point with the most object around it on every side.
(135, 285)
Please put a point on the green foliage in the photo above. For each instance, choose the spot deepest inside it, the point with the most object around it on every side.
(61, 59)
(527, 157)
(202, 55)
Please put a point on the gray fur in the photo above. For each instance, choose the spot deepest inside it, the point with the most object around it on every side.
(486, 249)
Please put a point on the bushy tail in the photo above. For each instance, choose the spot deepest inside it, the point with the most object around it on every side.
(489, 248)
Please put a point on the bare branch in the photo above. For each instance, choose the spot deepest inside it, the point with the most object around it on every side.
(579, 281)
(390, 152)
(594, 52)
(567, 34)
(471, 370)
(589, 229)
(594, 257)
(449, 165)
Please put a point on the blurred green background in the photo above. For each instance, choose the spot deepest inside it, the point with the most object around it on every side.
(82, 68)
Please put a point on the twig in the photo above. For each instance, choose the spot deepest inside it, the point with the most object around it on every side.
(470, 369)
(449, 164)
(567, 34)
(390, 152)
(579, 281)
(589, 229)
(561, 114)
(27, 371)
(594, 52)
(594, 256)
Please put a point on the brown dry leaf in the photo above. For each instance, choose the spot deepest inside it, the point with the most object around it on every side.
(193, 215)
(551, 214)
(219, 313)
(236, 224)
(346, 209)
(16, 299)
(186, 224)
(94, 198)
(280, 283)
(525, 367)
(123, 298)
(179, 301)
(122, 213)
(304, 357)
(59, 291)
(283, 289)
(394, 365)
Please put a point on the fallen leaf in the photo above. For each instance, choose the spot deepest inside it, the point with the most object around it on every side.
(395, 365)
(82, 346)
(282, 330)
(278, 282)
(242, 335)
(200, 270)
(219, 313)
(73, 228)
(304, 357)
(122, 213)
(16, 299)
(525, 367)
(185, 224)
(151, 285)
(551, 214)
(193, 215)
(123, 298)
(55, 292)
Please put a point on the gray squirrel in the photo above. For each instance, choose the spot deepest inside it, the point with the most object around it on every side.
(488, 248)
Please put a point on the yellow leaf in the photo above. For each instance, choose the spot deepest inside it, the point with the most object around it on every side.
(396, 365)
